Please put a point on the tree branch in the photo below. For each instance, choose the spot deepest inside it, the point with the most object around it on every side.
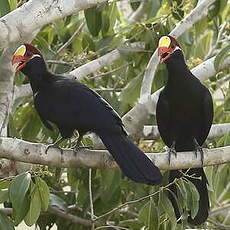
(72, 218)
(57, 212)
(107, 59)
(220, 210)
(18, 24)
(200, 11)
(217, 130)
(19, 150)
(138, 14)
(71, 39)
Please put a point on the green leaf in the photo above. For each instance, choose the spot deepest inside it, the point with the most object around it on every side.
(193, 198)
(149, 215)
(93, 18)
(166, 204)
(5, 184)
(215, 10)
(221, 56)
(4, 196)
(131, 92)
(5, 7)
(105, 24)
(44, 193)
(13, 4)
(5, 222)
(87, 43)
(18, 196)
(110, 185)
(35, 207)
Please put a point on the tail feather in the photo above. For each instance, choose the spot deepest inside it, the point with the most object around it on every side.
(132, 161)
(201, 186)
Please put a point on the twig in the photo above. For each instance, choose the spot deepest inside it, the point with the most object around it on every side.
(224, 192)
(222, 29)
(74, 219)
(56, 62)
(111, 226)
(219, 210)
(111, 71)
(220, 226)
(134, 201)
(75, 34)
(91, 198)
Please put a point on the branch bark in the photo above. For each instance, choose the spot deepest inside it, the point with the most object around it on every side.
(18, 24)
(19, 150)
(200, 11)
(107, 59)
(217, 130)
(7, 89)
(67, 216)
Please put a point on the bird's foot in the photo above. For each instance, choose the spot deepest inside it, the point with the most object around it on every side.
(198, 149)
(76, 149)
(56, 146)
(172, 151)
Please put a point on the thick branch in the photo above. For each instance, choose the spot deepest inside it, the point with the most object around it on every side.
(6, 89)
(196, 14)
(107, 59)
(217, 130)
(19, 150)
(20, 23)
(96, 64)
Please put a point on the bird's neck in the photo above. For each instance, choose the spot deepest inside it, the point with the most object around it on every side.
(178, 71)
(37, 73)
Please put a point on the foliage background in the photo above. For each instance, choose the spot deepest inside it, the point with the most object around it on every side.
(104, 28)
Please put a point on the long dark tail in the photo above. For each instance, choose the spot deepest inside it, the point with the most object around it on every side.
(201, 186)
(132, 161)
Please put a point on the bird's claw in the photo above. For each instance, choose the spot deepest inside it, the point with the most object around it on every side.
(56, 146)
(171, 152)
(199, 149)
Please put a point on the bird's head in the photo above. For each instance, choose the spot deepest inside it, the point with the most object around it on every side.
(167, 46)
(23, 55)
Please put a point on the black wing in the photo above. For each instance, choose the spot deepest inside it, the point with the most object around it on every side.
(163, 119)
(208, 114)
(69, 103)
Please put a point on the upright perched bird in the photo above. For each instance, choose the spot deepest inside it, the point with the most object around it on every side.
(184, 116)
(71, 105)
